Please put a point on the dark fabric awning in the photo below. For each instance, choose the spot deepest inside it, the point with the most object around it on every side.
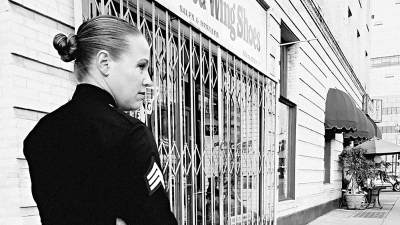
(340, 112)
(378, 132)
(365, 128)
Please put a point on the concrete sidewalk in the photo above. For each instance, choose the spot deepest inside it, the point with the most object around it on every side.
(388, 215)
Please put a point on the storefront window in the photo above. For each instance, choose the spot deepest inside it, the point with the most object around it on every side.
(213, 119)
(286, 151)
(283, 151)
(287, 121)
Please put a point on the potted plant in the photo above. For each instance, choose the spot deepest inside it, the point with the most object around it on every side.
(357, 169)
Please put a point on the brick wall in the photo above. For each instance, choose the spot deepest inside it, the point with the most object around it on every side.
(33, 81)
(292, 70)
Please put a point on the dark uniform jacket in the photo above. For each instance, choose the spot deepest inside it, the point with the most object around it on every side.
(90, 163)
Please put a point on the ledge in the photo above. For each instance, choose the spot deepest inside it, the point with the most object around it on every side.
(41, 14)
(307, 215)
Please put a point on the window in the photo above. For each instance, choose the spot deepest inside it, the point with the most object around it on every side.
(287, 123)
(286, 152)
(390, 110)
(197, 122)
(327, 156)
(385, 61)
(389, 129)
(250, 184)
(244, 182)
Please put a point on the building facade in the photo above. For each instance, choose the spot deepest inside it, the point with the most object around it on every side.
(350, 24)
(316, 54)
(239, 127)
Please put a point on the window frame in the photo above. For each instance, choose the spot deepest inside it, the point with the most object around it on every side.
(329, 137)
(287, 36)
(291, 167)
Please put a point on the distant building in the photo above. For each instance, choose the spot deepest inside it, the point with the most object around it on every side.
(385, 66)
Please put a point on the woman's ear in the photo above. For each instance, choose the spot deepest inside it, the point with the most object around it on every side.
(103, 62)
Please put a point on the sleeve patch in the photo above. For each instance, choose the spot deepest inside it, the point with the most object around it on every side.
(153, 177)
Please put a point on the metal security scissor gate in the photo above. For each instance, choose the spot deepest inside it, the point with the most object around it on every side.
(213, 120)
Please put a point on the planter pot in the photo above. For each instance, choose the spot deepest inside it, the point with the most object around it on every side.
(354, 201)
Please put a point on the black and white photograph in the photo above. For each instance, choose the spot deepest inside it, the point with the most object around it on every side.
(199, 112)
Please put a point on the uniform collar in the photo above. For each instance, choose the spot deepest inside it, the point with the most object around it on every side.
(93, 93)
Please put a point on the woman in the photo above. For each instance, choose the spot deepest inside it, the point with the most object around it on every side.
(89, 162)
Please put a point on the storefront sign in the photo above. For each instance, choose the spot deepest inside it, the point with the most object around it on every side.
(373, 107)
(238, 25)
(375, 110)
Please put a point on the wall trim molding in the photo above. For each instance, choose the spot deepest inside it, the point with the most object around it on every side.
(305, 216)
(40, 61)
(41, 14)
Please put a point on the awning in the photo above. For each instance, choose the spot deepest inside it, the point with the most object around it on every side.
(379, 147)
(378, 132)
(365, 128)
(340, 112)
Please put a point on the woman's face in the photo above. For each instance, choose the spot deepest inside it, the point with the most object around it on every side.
(129, 76)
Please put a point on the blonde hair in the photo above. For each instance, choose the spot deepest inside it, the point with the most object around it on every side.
(99, 33)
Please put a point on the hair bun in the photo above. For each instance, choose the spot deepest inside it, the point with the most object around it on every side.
(65, 46)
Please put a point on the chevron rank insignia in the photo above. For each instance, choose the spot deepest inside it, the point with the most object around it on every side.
(153, 177)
